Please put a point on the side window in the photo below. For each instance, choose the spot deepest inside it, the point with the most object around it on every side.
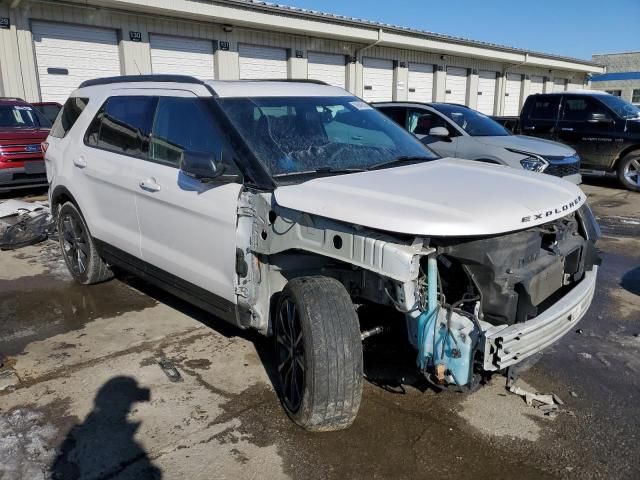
(183, 126)
(397, 114)
(420, 122)
(67, 117)
(545, 108)
(123, 125)
(577, 109)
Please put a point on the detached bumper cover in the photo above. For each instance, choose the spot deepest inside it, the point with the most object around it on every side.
(507, 345)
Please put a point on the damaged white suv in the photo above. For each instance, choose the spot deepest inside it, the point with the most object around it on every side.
(280, 205)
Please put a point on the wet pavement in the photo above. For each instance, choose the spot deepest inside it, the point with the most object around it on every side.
(82, 394)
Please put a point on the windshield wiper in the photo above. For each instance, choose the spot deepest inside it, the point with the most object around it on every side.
(400, 160)
(321, 170)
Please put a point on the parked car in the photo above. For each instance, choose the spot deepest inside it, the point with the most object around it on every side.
(278, 205)
(48, 109)
(453, 130)
(22, 130)
(603, 128)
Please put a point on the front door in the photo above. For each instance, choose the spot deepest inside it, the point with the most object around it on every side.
(592, 137)
(421, 121)
(188, 228)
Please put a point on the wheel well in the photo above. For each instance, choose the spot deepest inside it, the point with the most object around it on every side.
(624, 153)
(59, 197)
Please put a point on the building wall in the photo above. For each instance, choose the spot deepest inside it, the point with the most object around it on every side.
(619, 63)
(19, 71)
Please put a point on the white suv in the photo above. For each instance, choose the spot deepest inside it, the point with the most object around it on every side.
(280, 205)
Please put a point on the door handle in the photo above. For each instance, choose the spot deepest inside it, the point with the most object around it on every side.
(567, 129)
(150, 185)
(80, 162)
(529, 128)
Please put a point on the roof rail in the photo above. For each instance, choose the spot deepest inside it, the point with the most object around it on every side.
(141, 78)
(15, 99)
(290, 80)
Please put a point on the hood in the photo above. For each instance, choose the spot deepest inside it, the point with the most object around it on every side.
(23, 135)
(447, 197)
(529, 145)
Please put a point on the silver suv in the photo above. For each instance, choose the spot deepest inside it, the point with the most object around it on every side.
(279, 206)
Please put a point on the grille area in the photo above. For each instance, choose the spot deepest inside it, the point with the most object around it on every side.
(561, 167)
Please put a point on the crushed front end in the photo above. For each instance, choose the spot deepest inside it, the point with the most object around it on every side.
(491, 302)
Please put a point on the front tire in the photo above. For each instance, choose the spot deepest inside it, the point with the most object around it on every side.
(319, 354)
(78, 249)
(629, 171)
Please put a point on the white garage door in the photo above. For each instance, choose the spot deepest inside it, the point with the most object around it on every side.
(67, 55)
(328, 67)
(575, 85)
(182, 56)
(486, 92)
(512, 94)
(262, 62)
(420, 82)
(536, 85)
(377, 75)
(558, 84)
(456, 85)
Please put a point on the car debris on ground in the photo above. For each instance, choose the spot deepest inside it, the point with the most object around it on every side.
(24, 223)
(549, 403)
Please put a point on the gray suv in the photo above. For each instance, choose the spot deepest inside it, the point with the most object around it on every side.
(453, 130)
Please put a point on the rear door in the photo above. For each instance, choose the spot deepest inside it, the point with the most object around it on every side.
(540, 116)
(103, 169)
(594, 141)
(187, 227)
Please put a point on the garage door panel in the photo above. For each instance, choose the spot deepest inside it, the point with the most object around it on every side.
(420, 82)
(258, 61)
(327, 67)
(377, 77)
(456, 85)
(182, 56)
(513, 92)
(559, 85)
(536, 85)
(486, 92)
(79, 52)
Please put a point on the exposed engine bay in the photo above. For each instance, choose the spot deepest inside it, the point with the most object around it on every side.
(515, 276)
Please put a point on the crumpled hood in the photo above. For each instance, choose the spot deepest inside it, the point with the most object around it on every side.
(529, 145)
(447, 197)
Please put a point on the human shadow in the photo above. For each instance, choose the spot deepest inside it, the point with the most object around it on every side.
(102, 447)
(631, 281)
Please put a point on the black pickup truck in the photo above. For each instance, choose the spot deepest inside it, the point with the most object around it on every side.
(602, 128)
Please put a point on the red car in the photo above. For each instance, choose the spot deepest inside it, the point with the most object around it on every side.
(22, 130)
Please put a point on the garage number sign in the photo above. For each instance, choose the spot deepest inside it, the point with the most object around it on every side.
(4, 22)
(224, 46)
(135, 36)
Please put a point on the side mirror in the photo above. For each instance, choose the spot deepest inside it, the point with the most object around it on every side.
(594, 117)
(439, 132)
(201, 166)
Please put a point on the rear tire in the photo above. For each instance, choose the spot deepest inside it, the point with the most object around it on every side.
(319, 354)
(629, 171)
(78, 248)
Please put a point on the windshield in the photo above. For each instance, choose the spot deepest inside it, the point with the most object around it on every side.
(21, 116)
(474, 123)
(621, 107)
(293, 135)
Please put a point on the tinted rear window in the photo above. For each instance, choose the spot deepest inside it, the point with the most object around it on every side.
(123, 125)
(545, 108)
(72, 109)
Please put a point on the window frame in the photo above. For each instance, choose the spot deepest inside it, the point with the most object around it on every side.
(635, 96)
(588, 99)
(61, 113)
(561, 98)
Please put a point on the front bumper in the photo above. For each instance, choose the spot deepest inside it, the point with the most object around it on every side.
(22, 177)
(506, 345)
